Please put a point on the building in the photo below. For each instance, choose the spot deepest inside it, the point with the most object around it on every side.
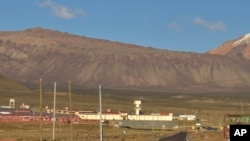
(187, 117)
(111, 115)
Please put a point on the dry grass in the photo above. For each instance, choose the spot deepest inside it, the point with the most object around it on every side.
(83, 132)
(207, 136)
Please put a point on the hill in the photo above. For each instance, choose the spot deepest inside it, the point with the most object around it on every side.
(10, 85)
(56, 56)
(239, 48)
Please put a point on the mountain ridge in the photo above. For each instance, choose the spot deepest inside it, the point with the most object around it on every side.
(239, 47)
(57, 56)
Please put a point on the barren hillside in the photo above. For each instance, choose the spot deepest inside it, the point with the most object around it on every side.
(56, 56)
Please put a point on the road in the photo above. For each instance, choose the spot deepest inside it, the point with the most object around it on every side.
(177, 137)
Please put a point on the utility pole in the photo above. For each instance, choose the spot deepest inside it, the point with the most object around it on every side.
(70, 111)
(41, 111)
(54, 113)
(100, 103)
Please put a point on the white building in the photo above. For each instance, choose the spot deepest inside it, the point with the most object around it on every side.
(125, 116)
(157, 117)
(110, 115)
(187, 117)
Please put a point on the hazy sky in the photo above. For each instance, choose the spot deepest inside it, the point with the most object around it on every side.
(182, 25)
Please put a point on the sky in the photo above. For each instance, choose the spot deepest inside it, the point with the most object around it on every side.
(179, 25)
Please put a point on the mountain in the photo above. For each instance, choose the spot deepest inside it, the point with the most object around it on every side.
(235, 48)
(56, 56)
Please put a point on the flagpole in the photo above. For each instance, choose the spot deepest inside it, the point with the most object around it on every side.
(70, 111)
(100, 103)
(41, 111)
(54, 111)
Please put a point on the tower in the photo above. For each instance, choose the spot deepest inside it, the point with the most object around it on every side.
(12, 103)
(137, 106)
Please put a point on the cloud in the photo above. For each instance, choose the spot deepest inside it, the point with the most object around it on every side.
(218, 25)
(174, 26)
(61, 10)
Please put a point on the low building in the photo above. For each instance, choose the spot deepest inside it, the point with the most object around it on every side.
(187, 117)
(112, 115)
(155, 117)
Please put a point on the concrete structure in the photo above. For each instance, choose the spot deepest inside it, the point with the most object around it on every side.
(107, 115)
(137, 106)
(187, 117)
(125, 116)
(153, 117)
(12, 103)
(110, 115)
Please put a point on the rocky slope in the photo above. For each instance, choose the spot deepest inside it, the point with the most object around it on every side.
(58, 57)
(235, 48)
